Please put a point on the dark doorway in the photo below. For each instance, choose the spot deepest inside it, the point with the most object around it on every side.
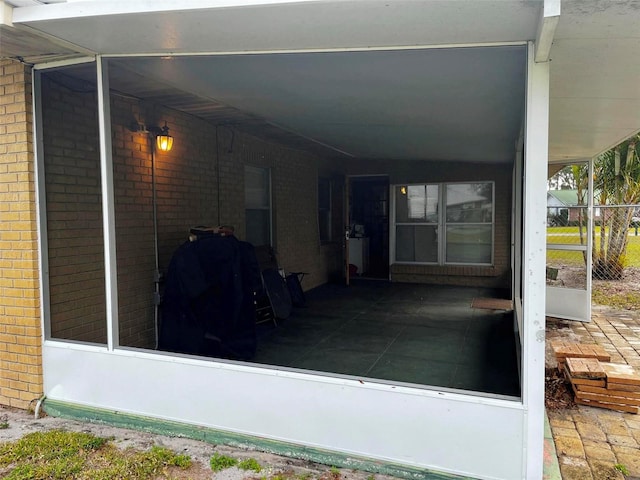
(369, 223)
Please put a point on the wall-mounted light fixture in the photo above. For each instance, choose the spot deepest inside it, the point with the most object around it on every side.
(403, 190)
(164, 141)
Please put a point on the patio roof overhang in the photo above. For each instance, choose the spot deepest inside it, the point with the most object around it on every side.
(594, 102)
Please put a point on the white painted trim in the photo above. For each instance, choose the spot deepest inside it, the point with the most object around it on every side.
(108, 204)
(75, 9)
(319, 50)
(574, 303)
(6, 14)
(64, 63)
(516, 233)
(438, 430)
(567, 246)
(73, 48)
(568, 303)
(590, 227)
(41, 206)
(534, 256)
(549, 18)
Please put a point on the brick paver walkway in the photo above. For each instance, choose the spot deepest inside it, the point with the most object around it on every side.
(590, 441)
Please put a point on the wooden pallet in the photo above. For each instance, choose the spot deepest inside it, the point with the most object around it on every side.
(608, 406)
(600, 384)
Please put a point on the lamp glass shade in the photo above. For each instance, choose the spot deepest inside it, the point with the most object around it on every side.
(164, 142)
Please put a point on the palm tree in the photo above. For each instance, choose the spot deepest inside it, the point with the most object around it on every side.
(617, 180)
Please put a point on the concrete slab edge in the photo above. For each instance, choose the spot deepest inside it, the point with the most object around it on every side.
(551, 470)
(176, 429)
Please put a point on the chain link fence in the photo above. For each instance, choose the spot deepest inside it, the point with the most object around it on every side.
(615, 245)
(567, 247)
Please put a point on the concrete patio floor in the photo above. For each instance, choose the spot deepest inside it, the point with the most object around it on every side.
(590, 441)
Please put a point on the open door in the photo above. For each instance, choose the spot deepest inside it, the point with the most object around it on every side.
(368, 220)
(569, 240)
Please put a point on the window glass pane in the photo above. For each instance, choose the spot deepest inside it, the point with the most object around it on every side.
(416, 243)
(469, 244)
(74, 209)
(324, 224)
(324, 193)
(469, 203)
(256, 187)
(417, 203)
(258, 227)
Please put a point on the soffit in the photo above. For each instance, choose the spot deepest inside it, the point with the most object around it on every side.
(594, 69)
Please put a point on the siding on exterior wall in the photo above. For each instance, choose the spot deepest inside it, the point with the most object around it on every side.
(408, 172)
(20, 328)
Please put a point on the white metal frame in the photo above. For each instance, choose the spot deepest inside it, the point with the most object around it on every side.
(439, 430)
(536, 148)
(575, 303)
(40, 190)
(269, 196)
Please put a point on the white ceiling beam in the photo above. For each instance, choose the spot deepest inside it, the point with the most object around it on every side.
(6, 14)
(546, 30)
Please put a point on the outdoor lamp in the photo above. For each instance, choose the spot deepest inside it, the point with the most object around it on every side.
(164, 141)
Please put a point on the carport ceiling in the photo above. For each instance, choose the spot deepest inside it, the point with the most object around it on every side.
(595, 63)
(442, 104)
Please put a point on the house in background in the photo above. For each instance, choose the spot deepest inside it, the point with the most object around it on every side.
(562, 207)
(280, 112)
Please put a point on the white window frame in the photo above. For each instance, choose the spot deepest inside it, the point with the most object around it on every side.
(268, 207)
(328, 209)
(441, 225)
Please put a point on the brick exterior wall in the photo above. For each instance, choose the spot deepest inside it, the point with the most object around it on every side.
(74, 213)
(407, 172)
(20, 330)
(200, 182)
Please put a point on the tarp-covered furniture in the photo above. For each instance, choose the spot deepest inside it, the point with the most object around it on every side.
(208, 301)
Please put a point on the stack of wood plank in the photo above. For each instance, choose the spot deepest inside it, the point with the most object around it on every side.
(564, 349)
(597, 382)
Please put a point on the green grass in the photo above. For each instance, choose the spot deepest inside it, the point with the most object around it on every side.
(621, 468)
(60, 455)
(632, 258)
(621, 300)
(250, 464)
(221, 462)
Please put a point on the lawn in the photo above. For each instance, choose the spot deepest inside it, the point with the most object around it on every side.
(570, 236)
(624, 293)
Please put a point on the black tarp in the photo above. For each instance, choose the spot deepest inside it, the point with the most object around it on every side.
(208, 300)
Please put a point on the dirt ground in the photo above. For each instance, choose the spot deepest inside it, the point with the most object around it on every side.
(575, 277)
(557, 391)
(20, 423)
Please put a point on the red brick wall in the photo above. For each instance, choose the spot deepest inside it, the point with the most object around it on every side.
(20, 330)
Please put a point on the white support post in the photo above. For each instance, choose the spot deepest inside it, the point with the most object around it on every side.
(43, 242)
(535, 174)
(108, 204)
